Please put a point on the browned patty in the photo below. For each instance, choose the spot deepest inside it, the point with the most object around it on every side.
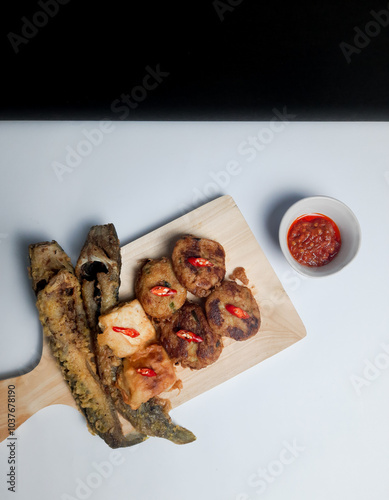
(226, 324)
(159, 273)
(190, 354)
(199, 280)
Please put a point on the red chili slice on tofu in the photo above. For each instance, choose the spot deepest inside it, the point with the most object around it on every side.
(146, 372)
(130, 332)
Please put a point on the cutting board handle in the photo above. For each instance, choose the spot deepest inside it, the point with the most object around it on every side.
(37, 389)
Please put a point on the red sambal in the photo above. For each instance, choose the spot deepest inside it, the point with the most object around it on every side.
(314, 240)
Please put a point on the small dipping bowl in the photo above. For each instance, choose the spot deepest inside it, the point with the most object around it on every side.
(344, 218)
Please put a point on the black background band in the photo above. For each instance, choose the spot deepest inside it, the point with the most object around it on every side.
(204, 60)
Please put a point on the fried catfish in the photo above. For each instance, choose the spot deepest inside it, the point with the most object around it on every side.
(98, 269)
(64, 322)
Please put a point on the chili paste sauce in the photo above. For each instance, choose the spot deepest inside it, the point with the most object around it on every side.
(314, 240)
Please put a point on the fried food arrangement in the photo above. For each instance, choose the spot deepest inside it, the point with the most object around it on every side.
(192, 333)
(127, 331)
(120, 358)
(98, 268)
(70, 322)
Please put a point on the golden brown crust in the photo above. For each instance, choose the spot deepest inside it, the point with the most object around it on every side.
(198, 280)
(136, 388)
(126, 315)
(239, 273)
(98, 270)
(64, 323)
(46, 258)
(190, 354)
(225, 323)
(159, 273)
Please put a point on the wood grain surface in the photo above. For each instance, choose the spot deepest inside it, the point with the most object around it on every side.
(281, 326)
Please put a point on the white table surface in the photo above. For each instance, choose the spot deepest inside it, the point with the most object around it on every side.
(311, 422)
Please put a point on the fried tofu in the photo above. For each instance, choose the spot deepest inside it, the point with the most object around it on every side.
(137, 388)
(129, 315)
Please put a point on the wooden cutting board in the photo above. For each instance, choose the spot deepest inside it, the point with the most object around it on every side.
(281, 326)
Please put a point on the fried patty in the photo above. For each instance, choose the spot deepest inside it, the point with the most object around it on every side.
(194, 355)
(224, 322)
(199, 280)
(159, 273)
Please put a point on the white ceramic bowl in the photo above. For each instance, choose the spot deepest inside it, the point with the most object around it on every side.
(343, 217)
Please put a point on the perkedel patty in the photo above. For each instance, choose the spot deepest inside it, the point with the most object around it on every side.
(232, 311)
(177, 333)
(158, 289)
(199, 264)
